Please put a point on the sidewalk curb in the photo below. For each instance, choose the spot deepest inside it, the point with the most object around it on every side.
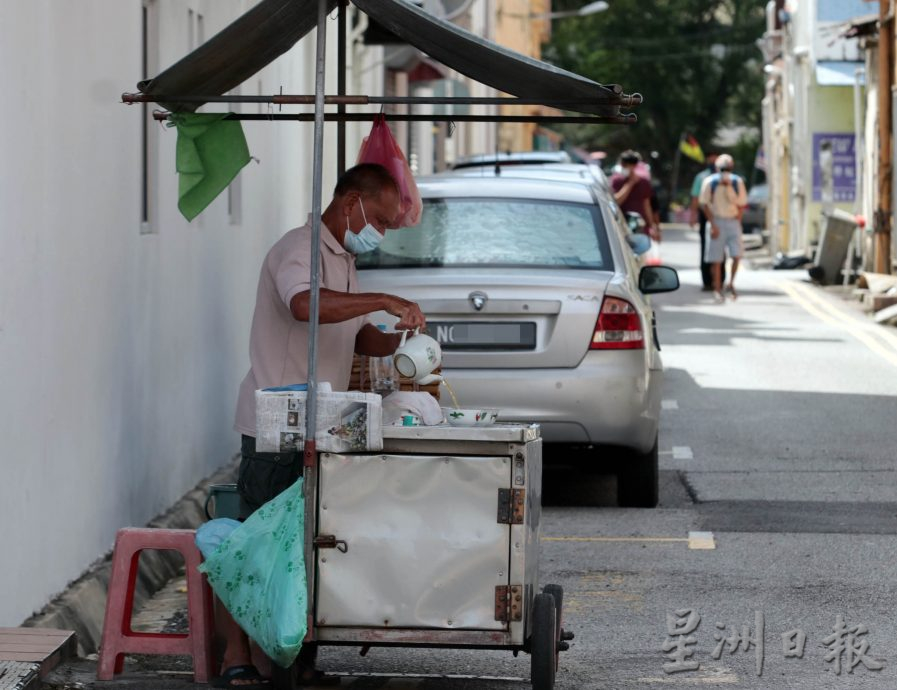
(82, 605)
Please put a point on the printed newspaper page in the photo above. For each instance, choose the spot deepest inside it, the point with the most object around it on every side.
(347, 422)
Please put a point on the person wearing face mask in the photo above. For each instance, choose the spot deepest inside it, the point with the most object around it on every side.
(633, 192)
(365, 204)
(723, 198)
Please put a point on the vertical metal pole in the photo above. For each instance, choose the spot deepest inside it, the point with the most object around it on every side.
(885, 172)
(317, 191)
(310, 455)
(341, 86)
(859, 148)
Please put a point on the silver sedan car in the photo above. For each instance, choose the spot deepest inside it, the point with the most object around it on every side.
(540, 306)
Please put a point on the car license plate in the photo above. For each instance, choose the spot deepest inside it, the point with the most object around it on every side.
(476, 335)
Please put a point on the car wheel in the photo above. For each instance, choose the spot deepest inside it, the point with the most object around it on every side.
(638, 479)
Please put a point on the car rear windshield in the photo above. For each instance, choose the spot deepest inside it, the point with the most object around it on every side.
(497, 232)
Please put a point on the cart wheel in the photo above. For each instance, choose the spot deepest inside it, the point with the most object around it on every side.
(544, 642)
(557, 592)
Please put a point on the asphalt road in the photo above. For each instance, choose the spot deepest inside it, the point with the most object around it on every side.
(778, 437)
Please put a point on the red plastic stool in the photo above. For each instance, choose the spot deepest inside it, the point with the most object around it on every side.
(119, 638)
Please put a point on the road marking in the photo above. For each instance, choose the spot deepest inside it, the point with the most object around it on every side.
(415, 680)
(679, 453)
(883, 332)
(695, 540)
(701, 540)
(859, 329)
(669, 404)
(634, 539)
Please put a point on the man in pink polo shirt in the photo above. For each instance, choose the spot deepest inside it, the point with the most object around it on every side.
(365, 203)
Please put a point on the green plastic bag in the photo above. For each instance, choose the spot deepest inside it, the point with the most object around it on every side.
(258, 572)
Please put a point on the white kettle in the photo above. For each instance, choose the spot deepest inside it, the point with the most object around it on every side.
(418, 357)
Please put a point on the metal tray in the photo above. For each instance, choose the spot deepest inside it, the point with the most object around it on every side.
(503, 433)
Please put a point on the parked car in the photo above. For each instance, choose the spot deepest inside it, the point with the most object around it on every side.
(512, 158)
(754, 218)
(541, 309)
(591, 176)
(574, 172)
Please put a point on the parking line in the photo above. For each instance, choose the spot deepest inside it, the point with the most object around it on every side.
(669, 404)
(857, 329)
(414, 680)
(701, 540)
(679, 453)
(616, 539)
(695, 540)
(883, 332)
(682, 453)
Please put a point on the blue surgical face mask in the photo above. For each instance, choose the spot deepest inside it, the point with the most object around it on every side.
(366, 240)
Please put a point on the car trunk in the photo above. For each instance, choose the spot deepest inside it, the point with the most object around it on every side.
(527, 318)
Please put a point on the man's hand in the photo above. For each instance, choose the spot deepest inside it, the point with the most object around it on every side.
(714, 231)
(654, 233)
(409, 314)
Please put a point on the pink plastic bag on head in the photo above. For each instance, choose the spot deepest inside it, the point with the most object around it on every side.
(381, 147)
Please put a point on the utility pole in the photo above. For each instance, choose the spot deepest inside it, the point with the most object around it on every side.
(885, 165)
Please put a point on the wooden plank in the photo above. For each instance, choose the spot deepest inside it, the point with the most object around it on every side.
(35, 639)
(42, 649)
(49, 632)
(22, 656)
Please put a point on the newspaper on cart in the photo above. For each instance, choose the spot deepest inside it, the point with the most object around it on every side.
(346, 422)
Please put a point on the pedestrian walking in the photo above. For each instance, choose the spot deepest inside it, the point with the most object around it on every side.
(723, 199)
(633, 192)
(699, 220)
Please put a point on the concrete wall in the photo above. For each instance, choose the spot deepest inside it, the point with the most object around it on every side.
(120, 350)
(518, 28)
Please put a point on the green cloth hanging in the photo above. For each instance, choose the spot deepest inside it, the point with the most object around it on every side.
(210, 153)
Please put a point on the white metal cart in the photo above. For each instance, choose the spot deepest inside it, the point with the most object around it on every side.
(435, 542)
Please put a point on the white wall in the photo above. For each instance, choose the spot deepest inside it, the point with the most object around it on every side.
(120, 352)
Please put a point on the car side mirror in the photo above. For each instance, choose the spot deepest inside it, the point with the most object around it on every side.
(639, 243)
(654, 279)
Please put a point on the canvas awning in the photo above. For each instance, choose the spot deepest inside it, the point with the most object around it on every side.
(272, 27)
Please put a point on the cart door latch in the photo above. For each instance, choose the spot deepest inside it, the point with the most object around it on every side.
(508, 603)
(329, 541)
(511, 506)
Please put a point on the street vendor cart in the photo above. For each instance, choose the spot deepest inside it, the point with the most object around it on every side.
(432, 541)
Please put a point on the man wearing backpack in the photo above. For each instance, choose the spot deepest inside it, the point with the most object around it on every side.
(699, 220)
(723, 198)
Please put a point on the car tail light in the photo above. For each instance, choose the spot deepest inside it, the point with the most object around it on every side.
(619, 327)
